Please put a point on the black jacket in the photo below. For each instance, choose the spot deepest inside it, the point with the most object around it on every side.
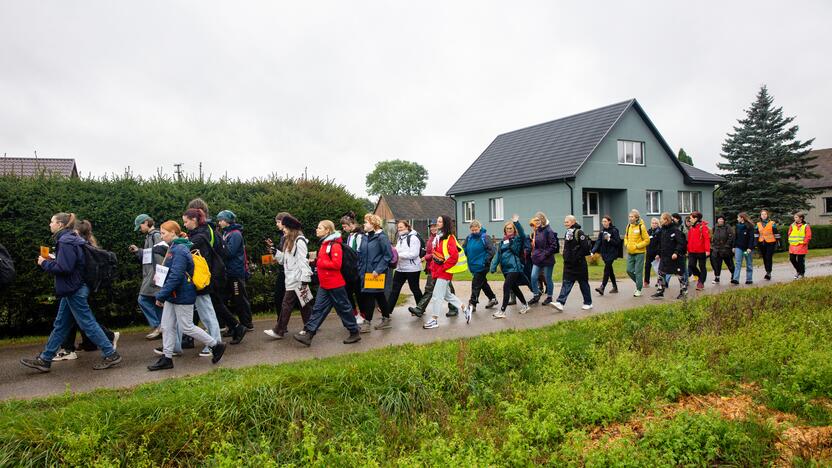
(201, 238)
(672, 240)
(653, 246)
(574, 259)
(722, 240)
(609, 249)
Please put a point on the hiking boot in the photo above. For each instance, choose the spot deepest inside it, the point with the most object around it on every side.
(64, 355)
(162, 363)
(683, 294)
(108, 362)
(491, 303)
(614, 290)
(658, 295)
(353, 338)
(161, 352)
(187, 342)
(452, 312)
(547, 301)
(415, 311)
(385, 324)
(535, 299)
(217, 351)
(37, 363)
(365, 327)
(304, 337)
(700, 286)
(600, 291)
(154, 335)
(239, 334)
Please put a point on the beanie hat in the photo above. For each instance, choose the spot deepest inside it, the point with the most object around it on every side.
(226, 215)
(290, 222)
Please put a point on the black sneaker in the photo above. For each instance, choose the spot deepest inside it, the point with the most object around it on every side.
(683, 294)
(491, 303)
(768, 276)
(353, 338)
(37, 363)
(453, 308)
(599, 291)
(108, 362)
(733, 281)
(749, 282)
(239, 334)
(303, 337)
(535, 299)
(217, 351)
(162, 363)
(249, 327)
(452, 312)
(415, 311)
(187, 342)
(657, 295)
(547, 301)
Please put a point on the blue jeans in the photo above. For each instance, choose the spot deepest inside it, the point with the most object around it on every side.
(151, 312)
(208, 317)
(326, 300)
(76, 306)
(547, 274)
(739, 255)
(566, 288)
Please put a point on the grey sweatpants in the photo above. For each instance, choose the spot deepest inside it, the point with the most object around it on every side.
(181, 315)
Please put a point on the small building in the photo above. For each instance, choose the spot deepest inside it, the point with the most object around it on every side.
(821, 212)
(600, 162)
(419, 211)
(29, 167)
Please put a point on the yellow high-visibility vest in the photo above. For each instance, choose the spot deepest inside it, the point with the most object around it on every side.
(462, 261)
(798, 234)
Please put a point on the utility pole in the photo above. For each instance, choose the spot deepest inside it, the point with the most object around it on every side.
(178, 171)
(200, 171)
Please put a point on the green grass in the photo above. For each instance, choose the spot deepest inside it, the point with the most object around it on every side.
(513, 398)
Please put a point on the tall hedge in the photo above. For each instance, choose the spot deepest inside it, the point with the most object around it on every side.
(111, 204)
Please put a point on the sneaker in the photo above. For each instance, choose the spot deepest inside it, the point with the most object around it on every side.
(452, 312)
(733, 281)
(586, 307)
(415, 311)
(37, 363)
(657, 295)
(304, 337)
(108, 362)
(558, 306)
(217, 351)
(637, 293)
(365, 327)
(385, 324)
(187, 342)
(749, 282)
(432, 323)
(466, 312)
(614, 290)
(227, 332)
(500, 314)
(700, 286)
(249, 327)
(162, 363)
(239, 334)
(683, 294)
(600, 291)
(453, 308)
(768, 276)
(160, 352)
(799, 277)
(547, 301)
(353, 338)
(64, 355)
(715, 280)
(116, 336)
(524, 308)
(273, 334)
(535, 299)
(491, 303)
(206, 352)
(154, 335)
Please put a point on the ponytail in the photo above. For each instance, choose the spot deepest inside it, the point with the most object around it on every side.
(67, 219)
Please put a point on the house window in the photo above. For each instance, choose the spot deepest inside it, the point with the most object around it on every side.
(827, 205)
(689, 202)
(654, 202)
(468, 211)
(495, 209)
(631, 152)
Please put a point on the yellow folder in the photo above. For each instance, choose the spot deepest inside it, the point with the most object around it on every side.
(370, 283)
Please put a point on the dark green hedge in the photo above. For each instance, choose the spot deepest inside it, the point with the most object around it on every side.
(111, 204)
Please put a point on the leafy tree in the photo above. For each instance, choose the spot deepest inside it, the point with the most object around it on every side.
(397, 177)
(369, 205)
(765, 163)
(684, 157)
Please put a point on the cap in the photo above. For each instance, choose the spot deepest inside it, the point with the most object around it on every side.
(140, 219)
(226, 215)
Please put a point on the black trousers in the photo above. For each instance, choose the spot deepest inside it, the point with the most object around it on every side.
(353, 290)
(235, 292)
(399, 278)
(799, 263)
(697, 265)
(609, 275)
(718, 259)
(224, 316)
(648, 267)
(767, 252)
(512, 285)
(480, 283)
(279, 289)
(367, 302)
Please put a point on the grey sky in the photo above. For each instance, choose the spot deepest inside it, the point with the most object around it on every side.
(258, 87)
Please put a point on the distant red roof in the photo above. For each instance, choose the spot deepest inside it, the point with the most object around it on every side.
(28, 167)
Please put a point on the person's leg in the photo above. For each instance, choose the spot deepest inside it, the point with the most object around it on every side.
(738, 256)
(646, 273)
(383, 305)
(534, 286)
(428, 295)
(221, 310)
(413, 284)
(605, 278)
(69, 341)
(170, 332)
(793, 261)
(338, 297)
(86, 321)
(768, 258)
(399, 279)
(452, 299)
(367, 304)
(286, 307)
(716, 265)
(585, 291)
(208, 317)
(639, 262)
(477, 282)
(515, 287)
(565, 289)
(631, 266)
(703, 267)
(239, 298)
(548, 273)
(693, 265)
(306, 311)
(152, 313)
(440, 290)
(801, 264)
(749, 267)
(60, 328)
(185, 320)
(486, 288)
(279, 289)
(506, 291)
(323, 304)
(612, 274)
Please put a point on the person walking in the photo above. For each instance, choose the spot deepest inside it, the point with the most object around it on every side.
(508, 258)
(544, 246)
(651, 256)
(722, 246)
(480, 250)
(636, 240)
(743, 249)
(427, 293)
(151, 254)
(672, 248)
(609, 246)
(67, 268)
(332, 291)
(177, 297)
(297, 273)
(699, 248)
(576, 247)
(236, 266)
(767, 237)
(446, 256)
(800, 234)
(280, 276)
(373, 262)
(354, 241)
(408, 265)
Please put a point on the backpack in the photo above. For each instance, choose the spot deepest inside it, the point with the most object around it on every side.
(202, 274)
(349, 264)
(394, 260)
(7, 272)
(585, 243)
(99, 267)
(422, 246)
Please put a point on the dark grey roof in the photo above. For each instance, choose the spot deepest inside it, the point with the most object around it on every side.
(28, 167)
(420, 207)
(553, 151)
(823, 163)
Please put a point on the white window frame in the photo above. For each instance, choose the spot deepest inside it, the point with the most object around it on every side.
(658, 207)
(686, 196)
(624, 145)
(493, 213)
(827, 205)
(465, 207)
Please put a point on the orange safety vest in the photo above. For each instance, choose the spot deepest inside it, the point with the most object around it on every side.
(766, 232)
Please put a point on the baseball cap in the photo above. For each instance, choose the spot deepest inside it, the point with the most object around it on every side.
(139, 220)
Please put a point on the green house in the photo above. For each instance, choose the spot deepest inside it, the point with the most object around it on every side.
(601, 162)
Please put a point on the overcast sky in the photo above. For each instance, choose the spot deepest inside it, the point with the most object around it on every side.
(252, 88)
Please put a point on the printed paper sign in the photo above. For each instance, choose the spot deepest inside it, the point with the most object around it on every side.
(370, 283)
(304, 295)
(147, 256)
(161, 275)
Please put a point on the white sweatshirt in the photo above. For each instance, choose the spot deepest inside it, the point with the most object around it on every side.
(409, 260)
(295, 264)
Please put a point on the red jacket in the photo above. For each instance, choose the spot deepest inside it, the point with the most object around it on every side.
(440, 271)
(329, 264)
(699, 238)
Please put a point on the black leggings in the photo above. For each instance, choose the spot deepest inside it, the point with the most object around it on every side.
(799, 263)
(399, 278)
(609, 275)
(367, 303)
(512, 285)
(480, 283)
(697, 266)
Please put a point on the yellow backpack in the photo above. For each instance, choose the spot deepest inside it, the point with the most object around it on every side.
(202, 274)
(462, 261)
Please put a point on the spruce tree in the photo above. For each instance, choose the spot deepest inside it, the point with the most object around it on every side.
(684, 157)
(765, 164)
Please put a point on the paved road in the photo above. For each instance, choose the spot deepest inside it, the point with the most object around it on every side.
(77, 376)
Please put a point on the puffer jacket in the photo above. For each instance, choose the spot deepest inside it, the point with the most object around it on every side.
(545, 245)
(68, 266)
(672, 241)
(699, 238)
(636, 238)
(509, 253)
(330, 256)
(234, 254)
(178, 287)
(722, 241)
(479, 249)
(608, 248)
(574, 260)
(152, 241)
(295, 264)
(375, 256)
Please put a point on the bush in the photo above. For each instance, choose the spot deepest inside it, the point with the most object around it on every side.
(111, 203)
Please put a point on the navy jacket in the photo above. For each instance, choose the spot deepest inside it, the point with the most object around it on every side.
(479, 249)
(744, 237)
(509, 253)
(68, 266)
(574, 261)
(178, 287)
(375, 256)
(546, 245)
(609, 248)
(235, 255)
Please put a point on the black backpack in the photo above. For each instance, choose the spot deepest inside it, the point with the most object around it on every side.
(422, 246)
(585, 243)
(99, 267)
(349, 264)
(7, 272)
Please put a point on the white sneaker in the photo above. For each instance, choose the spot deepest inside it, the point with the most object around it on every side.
(637, 293)
(524, 308)
(432, 323)
(466, 312)
(156, 333)
(586, 306)
(499, 315)
(64, 355)
(206, 352)
(272, 334)
(558, 306)
(116, 336)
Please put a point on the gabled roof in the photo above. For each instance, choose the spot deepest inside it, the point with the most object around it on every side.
(556, 151)
(823, 162)
(28, 167)
(419, 207)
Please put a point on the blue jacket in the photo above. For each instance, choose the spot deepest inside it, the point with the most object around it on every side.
(479, 249)
(375, 255)
(509, 252)
(178, 287)
(609, 248)
(235, 252)
(68, 266)
(744, 239)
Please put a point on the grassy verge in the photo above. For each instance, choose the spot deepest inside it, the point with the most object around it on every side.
(617, 389)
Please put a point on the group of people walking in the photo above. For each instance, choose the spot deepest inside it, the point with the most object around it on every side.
(199, 273)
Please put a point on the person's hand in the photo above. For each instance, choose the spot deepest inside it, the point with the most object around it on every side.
(515, 218)
(675, 257)
(159, 304)
(41, 260)
(707, 254)
(269, 243)
(657, 258)
(375, 275)
(748, 251)
(133, 248)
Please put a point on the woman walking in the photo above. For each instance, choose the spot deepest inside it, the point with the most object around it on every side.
(373, 261)
(479, 250)
(767, 236)
(722, 245)
(699, 248)
(297, 274)
(672, 250)
(652, 254)
(408, 265)
(799, 236)
(608, 244)
(355, 241)
(508, 258)
(446, 256)
(743, 249)
(544, 246)
(636, 240)
(576, 247)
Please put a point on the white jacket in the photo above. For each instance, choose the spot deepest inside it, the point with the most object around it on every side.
(409, 260)
(295, 264)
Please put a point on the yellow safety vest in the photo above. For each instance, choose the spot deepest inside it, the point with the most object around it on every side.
(766, 232)
(798, 234)
(462, 261)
